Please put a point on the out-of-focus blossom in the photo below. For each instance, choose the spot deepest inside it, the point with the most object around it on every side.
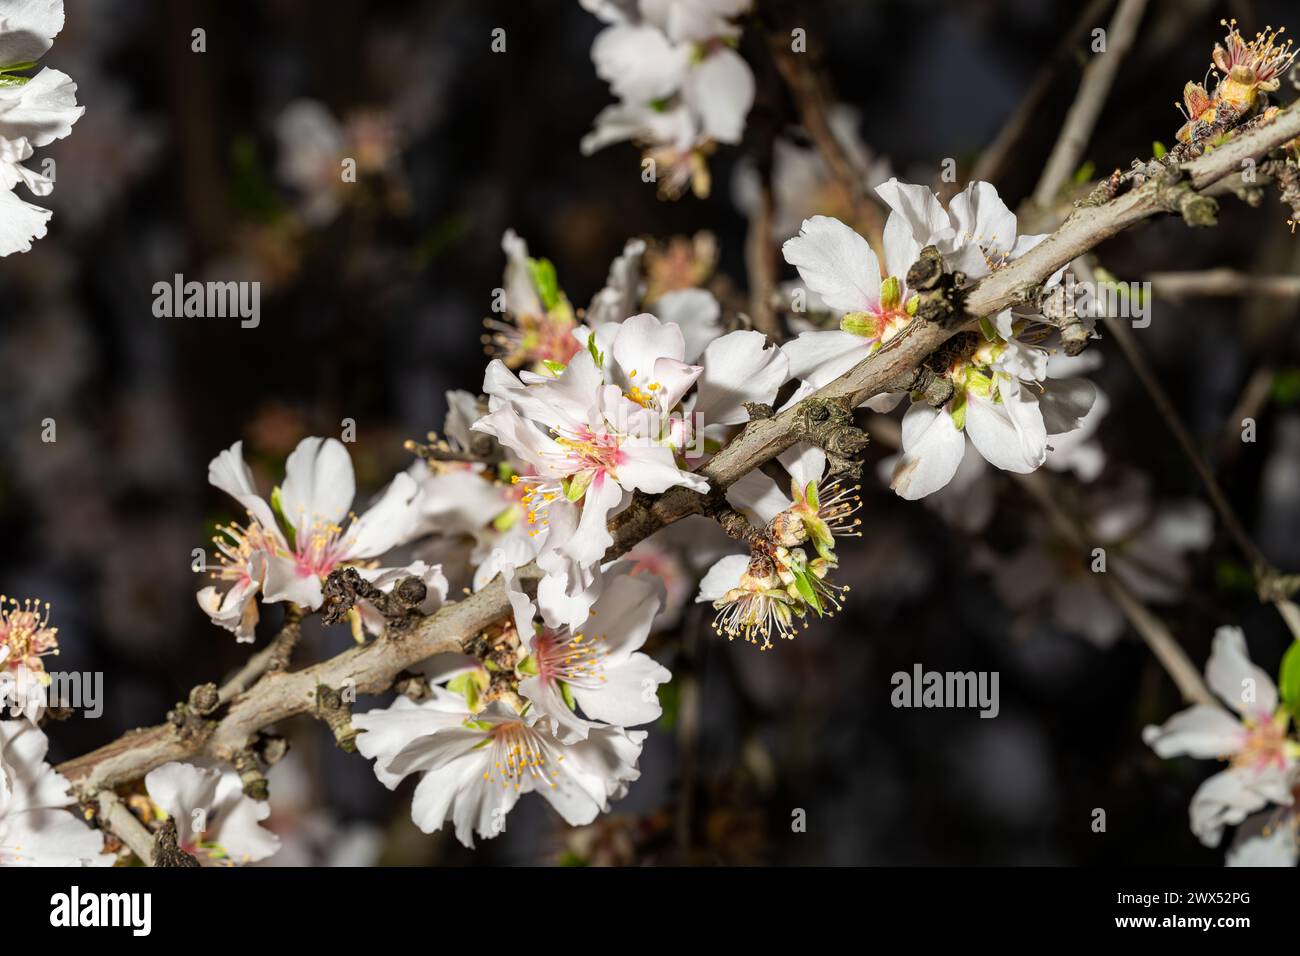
(1262, 758)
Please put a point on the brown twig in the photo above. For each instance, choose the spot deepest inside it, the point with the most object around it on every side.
(1098, 78)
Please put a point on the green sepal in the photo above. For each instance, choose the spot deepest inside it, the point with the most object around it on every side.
(575, 486)
(545, 281)
(277, 505)
(506, 520)
(469, 685)
(595, 352)
(567, 694)
(989, 329)
(528, 666)
(891, 293)
(805, 589)
(959, 410)
(862, 324)
(1288, 682)
(554, 367)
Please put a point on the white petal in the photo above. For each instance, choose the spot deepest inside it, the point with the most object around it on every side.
(652, 469)
(720, 90)
(758, 497)
(318, 483)
(696, 312)
(1227, 798)
(836, 263)
(284, 582)
(932, 451)
(1200, 731)
(981, 222)
(639, 63)
(1245, 687)
(390, 521)
(231, 474)
(917, 215)
(821, 357)
(591, 539)
(42, 110)
(20, 223)
(739, 367)
(722, 577)
(29, 29)
(1009, 434)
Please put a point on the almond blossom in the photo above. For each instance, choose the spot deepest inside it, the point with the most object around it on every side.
(34, 112)
(289, 558)
(583, 677)
(538, 322)
(475, 765)
(976, 234)
(215, 822)
(681, 84)
(591, 438)
(1262, 758)
(36, 829)
(26, 639)
(994, 404)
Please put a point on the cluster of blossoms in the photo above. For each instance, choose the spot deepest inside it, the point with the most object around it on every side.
(546, 711)
(993, 387)
(34, 112)
(1257, 791)
(681, 84)
(1244, 75)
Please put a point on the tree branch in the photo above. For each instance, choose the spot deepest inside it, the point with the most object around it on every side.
(372, 668)
(1098, 78)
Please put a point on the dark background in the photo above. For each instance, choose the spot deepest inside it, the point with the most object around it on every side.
(376, 314)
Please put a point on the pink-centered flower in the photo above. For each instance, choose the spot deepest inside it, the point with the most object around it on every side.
(287, 551)
(1262, 759)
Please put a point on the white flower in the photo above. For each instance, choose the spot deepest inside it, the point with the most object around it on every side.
(597, 667)
(839, 266)
(34, 112)
(994, 404)
(1262, 760)
(975, 235)
(594, 433)
(35, 829)
(215, 822)
(475, 766)
(26, 638)
(681, 85)
(538, 326)
(312, 146)
(290, 564)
